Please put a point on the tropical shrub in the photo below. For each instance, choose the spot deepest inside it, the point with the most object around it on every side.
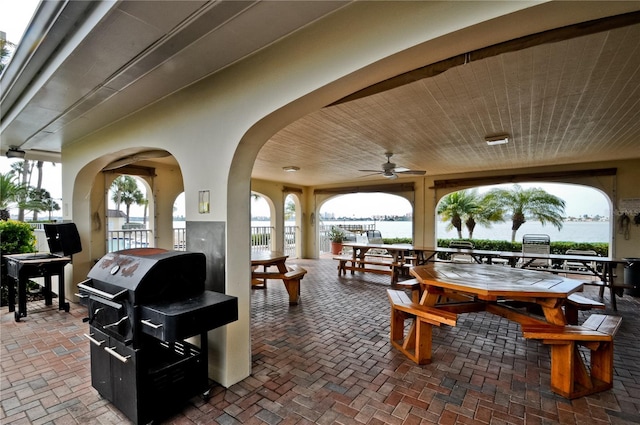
(16, 237)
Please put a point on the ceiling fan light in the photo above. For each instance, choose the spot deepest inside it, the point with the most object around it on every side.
(501, 139)
(290, 169)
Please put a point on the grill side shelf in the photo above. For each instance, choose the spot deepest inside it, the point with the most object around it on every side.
(93, 291)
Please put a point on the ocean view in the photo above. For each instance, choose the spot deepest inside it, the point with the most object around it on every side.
(573, 231)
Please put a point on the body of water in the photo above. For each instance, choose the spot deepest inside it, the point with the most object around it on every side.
(574, 231)
(583, 231)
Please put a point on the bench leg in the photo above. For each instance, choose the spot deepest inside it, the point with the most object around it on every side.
(417, 343)
(602, 364)
(569, 375)
(571, 314)
(424, 335)
(562, 368)
(293, 288)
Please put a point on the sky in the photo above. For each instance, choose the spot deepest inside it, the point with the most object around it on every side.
(16, 15)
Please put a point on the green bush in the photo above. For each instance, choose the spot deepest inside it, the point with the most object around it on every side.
(16, 237)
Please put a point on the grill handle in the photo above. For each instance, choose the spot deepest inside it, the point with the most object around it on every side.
(112, 351)
(93, 340)
(83, 285)
(110, 325)
(149, 323)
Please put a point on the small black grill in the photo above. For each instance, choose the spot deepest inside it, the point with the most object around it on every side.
(64, 241)
(143, 304)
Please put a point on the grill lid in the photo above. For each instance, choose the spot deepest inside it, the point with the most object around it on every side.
(151, 273)
(63, 239)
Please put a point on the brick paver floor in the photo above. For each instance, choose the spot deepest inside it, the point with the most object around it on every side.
(329, 361)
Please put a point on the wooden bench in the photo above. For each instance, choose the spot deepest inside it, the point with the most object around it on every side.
(384, 266)
(411, 284)
(416, 344)
(291, 280)
(576, 302)
(569, 375)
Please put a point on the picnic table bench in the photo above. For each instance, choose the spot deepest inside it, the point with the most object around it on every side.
(290, 274)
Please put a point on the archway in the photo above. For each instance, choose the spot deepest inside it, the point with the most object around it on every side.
(357, 213)
(588, 216)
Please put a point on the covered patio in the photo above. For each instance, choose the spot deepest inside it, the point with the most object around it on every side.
(329, 360)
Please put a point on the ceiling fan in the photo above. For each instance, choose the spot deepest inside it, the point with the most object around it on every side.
(390, 171)
(140, 156)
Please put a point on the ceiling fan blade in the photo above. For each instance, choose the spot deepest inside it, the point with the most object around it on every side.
(412, 172)
(369, 175)
(371, 171)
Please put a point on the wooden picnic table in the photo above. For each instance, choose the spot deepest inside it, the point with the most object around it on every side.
(450, 289)
(604, 269)
(394, 261)
(291, 275)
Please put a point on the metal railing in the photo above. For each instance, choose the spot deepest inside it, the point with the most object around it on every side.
(261, 237)
(290, 240)
(127, 239)
(180, 239)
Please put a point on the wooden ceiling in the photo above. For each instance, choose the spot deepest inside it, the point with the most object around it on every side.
(575, 99)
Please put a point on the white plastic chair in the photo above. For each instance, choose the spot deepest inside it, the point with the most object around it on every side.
(536, 244)
(577, 265)
(461, 258)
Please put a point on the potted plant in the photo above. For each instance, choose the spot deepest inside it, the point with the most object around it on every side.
(336, 236)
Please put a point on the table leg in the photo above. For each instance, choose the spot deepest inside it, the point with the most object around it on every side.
(62, 299)
(22, 298)
(46, 291)
(11, 294)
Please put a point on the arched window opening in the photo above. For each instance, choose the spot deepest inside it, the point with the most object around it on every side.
(507, 212)
(390, 216)
(292, 224)
(129, 202)
(262, 228)
(179, 224)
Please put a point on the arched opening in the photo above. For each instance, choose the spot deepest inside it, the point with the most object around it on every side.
(586, 217)
(357, 213)
(129, 201)
(292, 225)
(179, 224)
(262, 223)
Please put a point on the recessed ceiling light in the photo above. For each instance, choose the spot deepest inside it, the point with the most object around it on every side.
(290, 169)
(501, 139)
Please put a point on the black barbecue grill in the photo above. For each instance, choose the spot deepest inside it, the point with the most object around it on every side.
(64, 241)
(143, 304)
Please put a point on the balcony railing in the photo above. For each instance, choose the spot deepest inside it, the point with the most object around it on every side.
(127, 239)
(261, 238)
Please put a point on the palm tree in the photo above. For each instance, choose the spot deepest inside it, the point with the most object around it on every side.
(289, 209)
(534, 203)
(125, 190)
(5, 52)
(456, 205)
(485, 212)
(9, 193)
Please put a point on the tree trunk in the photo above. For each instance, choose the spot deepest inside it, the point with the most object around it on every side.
(25, 182)
(39, 186)
(518, 220)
